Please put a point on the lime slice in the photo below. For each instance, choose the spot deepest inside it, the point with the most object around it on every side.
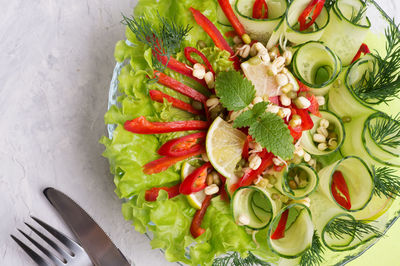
(224, 145)
(195, 199)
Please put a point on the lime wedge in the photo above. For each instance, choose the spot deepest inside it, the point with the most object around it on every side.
(375, 208)
(195, 199)
(224, 145)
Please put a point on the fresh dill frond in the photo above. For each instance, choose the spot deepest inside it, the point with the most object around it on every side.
(385, 130)
(164, 36)
(381, 83)
(340, 227)
(356, 17)
(313, 256)
(234, 259)
(386, 182)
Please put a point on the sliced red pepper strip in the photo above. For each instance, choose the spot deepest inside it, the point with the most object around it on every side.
(195, 227)
(141, 126)
(302, 87)
(251, 175)
(339, 189)
(189, 50)
(230, 15)
(152, 194)
(164, 163)
(196, 181)
(245, 151)
(230, 34)
(315, 5)
(258, 9)
(296, 132)
(363, 49)
(306, 121)
(215, 35)
(280, 228)
(314, 107)
(179, 67)
(183, 145)
(159, 96)
(179, 87)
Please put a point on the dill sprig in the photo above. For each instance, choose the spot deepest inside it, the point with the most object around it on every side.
(386, 182)
(313, 256)
(386, 130)
(235, 260)
(164, 36)
(381, 83)
(340, 227)
(356, 17)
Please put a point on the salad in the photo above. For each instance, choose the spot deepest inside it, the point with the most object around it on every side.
(251, 132)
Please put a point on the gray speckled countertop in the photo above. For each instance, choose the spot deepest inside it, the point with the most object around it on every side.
(56, 61)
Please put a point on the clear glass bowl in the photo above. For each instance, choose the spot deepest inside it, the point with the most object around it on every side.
(380, 20)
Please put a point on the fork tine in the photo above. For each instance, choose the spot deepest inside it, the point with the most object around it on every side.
(56, 260)
(57, 234)
(35, 257)
(49, 241)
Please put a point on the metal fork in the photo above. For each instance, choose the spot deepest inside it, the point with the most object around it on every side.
(72, 255)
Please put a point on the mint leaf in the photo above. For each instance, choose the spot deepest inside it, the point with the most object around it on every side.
(235, 91)
(273, 134)
(247, 118)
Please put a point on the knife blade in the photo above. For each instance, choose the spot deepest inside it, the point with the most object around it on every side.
(93, 239)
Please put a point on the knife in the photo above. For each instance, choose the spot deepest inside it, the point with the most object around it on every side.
(94, 241)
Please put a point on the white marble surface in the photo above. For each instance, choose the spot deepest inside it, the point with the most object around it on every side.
(56, 59)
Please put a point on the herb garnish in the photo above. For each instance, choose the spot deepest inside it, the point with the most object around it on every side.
(356, 17)
(164, 38)
(386, 130)
(268, 129)
(386, 182)
(340, 227)
(235, 91)
(313, 256)
(381, 83)
(235, 259)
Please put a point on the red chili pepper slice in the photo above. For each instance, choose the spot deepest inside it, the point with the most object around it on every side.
(363, 49)
(159, 96)
(196, 181)
(251, 175)
(315, 5)
(296, 132)
(280, 228)
(302, 87)
(258, 9)
(230, 34)
(164, 163)
(340, 191)
(179, 67)
(140, 125)
(179, 87)
(215, 35)
(183, 145)
(152, 194)
(230, 15)
(195, 227)
(189, 50)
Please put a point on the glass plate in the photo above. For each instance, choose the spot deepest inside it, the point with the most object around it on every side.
(380, 21)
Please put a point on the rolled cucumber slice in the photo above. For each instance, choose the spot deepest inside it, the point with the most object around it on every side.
(361, 141)
(260, 29)
(358, 177)
(255, 205)
(343, 35)
(300, 193)
(292, 15)
(316, 66)
(307, 139)
(298, 232)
